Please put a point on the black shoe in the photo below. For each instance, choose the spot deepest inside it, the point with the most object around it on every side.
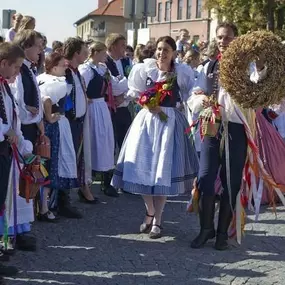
(8, 270)
(83, 199)
(111, 192)
(26, 243)
(206, 216)
(48, 217)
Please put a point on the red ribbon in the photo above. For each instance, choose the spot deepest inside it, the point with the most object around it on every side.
(2, 79)
(219, 57)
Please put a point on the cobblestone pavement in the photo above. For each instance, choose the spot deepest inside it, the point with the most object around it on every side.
(104, 248)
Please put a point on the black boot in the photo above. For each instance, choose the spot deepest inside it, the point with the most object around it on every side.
(206, 215)
(225, 217)
(106, 187)
(64, 206)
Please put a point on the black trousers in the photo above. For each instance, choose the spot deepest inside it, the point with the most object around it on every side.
(5, 165)
(211, 160)
(121, 122)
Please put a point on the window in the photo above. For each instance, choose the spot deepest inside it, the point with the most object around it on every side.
(196, 38)
(189, 8)
(159, 13)
(179, 9)
(167, 11)
(199, 9)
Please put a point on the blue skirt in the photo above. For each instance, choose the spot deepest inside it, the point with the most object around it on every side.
(56, 182)
(183, 171)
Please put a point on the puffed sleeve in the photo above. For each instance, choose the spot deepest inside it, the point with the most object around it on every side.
(185, 80)
(137, 80)
(86, 73)
(119, 85)
(278, 109)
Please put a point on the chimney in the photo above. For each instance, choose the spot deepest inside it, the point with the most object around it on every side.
(102, 3)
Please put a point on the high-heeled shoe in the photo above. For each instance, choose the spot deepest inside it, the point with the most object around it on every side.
(155, 234)
(83, 199)
(144, 227)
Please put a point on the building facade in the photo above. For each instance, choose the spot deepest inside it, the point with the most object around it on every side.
(173, 15)
(108, 18)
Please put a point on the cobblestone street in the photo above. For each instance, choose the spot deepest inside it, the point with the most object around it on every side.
(104, 248)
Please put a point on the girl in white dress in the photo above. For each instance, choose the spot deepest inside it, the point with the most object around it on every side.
(157, 158)
(101, 86)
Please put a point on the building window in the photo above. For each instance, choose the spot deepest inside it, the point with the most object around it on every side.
(159, 12)
(199, 9)
(196, 38)
(189, 8)
(179, 9)
(167, 11)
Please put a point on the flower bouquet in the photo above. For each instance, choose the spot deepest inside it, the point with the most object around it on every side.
(153, 97)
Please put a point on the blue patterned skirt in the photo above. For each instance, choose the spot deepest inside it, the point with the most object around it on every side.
(56, 182)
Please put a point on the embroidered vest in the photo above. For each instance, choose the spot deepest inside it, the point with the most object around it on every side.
(211, 76)
(112, 66)
(31, 96)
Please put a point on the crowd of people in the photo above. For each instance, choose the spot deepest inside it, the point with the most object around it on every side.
(86, 98)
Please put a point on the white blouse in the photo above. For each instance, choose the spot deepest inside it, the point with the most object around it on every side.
(149, 69)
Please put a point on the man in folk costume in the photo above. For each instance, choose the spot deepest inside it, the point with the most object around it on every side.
(27, 95)
(75, 52)
(11, 59)
(119, 66)
(211, 158)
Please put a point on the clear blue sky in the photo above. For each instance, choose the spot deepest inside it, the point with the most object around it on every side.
(54, 18)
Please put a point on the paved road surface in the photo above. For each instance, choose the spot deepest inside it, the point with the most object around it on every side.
(104, 248)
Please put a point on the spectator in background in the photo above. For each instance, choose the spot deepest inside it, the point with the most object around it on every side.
(192, 58)
(138, 50)
(17, 18)
(1, 40)
(47, 50)
(129, 52)
(182, 43)
(57, 46)
(27, 23)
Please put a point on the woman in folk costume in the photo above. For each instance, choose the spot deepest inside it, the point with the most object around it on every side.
(157, 158)
(98, 82)
(62, 166)
(211, 160)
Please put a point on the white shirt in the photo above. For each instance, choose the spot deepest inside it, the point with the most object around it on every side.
(229, 108)
(24, 146)
(80, 98)
(26, 117)
(124, 91)
(119, 86)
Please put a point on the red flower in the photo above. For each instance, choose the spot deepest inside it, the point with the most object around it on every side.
(144, 99)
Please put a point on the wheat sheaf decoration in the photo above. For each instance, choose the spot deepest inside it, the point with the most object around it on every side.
(235, 65)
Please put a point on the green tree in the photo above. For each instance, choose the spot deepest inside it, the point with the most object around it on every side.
(251, 15)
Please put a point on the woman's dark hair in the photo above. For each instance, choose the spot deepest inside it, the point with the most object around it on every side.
(168, 40)
(56, 45)
(228, 25)
(129, 48)
(52, 60)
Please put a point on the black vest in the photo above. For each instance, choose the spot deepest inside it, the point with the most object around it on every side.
(96, 85)
(31, 96)
(113, 67)
(71, 112)
(211, 71)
